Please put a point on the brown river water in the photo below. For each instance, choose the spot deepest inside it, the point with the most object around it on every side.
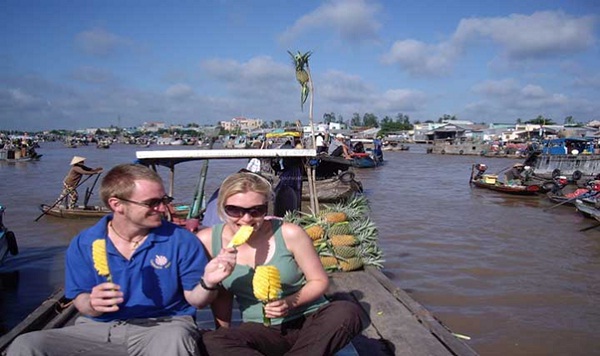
(515, 278)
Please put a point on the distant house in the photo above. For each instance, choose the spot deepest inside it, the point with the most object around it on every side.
(453, 131)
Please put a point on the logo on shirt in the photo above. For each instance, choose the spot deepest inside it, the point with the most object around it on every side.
(160, 262)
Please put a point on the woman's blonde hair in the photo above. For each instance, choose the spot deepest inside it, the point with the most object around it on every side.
(242, 183)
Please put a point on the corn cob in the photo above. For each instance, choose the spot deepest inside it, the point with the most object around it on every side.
(266, 286)
(100, 259)
(241, 236)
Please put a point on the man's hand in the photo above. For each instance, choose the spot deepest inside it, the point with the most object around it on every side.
(106, 297)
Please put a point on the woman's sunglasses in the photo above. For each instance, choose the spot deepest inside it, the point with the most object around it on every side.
(256, 211)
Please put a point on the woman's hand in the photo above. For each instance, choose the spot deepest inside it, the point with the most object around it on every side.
(277, 309)
(221, 266)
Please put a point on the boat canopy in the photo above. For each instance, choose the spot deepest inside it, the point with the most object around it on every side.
(284, 134)
(169, 158)
(567, 145)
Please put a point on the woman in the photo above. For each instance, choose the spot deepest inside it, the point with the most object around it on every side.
(303, 322)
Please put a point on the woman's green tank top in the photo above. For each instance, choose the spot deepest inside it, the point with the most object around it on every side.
(240, 281)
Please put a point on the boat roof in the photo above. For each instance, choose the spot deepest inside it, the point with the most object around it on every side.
(170, 158)
(570, 139)
(284, 134)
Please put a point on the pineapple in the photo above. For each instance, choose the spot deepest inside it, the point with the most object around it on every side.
(100, 259)
(302, 74)
(351, 264)
(316, 232)
(333, 217)
(340, 228)
(241, 236)
(266, 286)
(329, 262)
(344, 251)
(343, 240)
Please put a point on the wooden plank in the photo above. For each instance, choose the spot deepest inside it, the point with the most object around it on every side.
(395, 317)
(394, 322)
(435, 326)
(36, 320)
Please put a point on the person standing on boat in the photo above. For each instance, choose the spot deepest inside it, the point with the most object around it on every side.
(302, 321)
(320, 143)
(78, 170)
(139, 294)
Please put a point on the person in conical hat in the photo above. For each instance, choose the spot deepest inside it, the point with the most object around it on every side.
(69, 194)
(515, 175)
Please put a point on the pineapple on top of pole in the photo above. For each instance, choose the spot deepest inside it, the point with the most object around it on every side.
(306, 87)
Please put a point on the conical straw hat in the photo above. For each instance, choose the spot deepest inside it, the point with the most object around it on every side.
(77, 159)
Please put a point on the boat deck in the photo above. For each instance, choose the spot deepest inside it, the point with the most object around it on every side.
(395, 323)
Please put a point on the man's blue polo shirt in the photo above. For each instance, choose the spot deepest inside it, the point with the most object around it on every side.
(169, 261)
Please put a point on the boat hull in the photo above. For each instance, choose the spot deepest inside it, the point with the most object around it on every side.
(77, 213)
(509, 189)
(334, 189)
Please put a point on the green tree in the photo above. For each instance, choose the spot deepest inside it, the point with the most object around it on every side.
(355, 121)
(569, 120)
(370, 120)
(447, 117)
(329, 117)
(541, 120)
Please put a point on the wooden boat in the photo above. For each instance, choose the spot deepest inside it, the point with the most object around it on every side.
(14, 156)
(395, 323)
(81, 212)
(105, 144)
(334, 189)
(505, 188)
(490, 181)
(588, 207)
(95, 211)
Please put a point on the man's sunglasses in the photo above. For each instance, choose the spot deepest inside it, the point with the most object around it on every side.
(256, 211)
(152, 203)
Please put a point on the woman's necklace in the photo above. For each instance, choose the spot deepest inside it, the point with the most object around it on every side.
(135, 243)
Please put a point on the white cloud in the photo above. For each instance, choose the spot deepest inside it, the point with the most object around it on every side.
(506, 100)
(419, 58)
(99, 42)
(545, 34)
(351, 20)
(179, 91)
(91, 75)
(259, 77)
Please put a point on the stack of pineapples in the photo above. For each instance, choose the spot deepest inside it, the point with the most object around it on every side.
(343, 235)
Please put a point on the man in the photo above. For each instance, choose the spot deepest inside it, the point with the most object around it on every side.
(338, 147)
(157, 276)
(78, 170)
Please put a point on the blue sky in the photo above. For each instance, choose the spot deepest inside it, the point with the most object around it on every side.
(77, 64)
